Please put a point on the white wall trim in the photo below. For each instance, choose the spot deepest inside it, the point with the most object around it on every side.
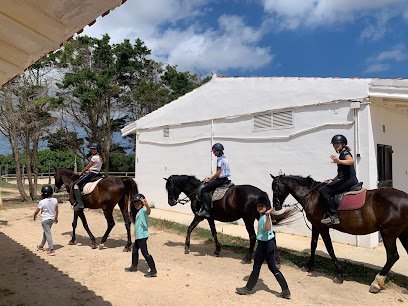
(286, 137)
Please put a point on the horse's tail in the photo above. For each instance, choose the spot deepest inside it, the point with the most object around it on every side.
(130, 190)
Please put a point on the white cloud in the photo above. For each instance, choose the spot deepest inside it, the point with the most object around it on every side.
(383, 60)
(292, 14)
(232, 45)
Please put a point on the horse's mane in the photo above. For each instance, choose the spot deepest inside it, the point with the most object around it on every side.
(308, 180)
(183, 178)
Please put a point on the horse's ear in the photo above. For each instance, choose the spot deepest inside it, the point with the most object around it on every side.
(273, 177)
(164, 179)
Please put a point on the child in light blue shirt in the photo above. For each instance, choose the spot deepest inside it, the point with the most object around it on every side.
(265, 250)
(142, 212)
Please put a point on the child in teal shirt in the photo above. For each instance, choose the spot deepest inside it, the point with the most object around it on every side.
(142, 213)
(265, 250)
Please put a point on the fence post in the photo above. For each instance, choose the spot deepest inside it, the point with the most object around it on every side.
(49, 175)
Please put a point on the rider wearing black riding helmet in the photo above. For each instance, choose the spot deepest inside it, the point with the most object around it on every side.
(90, 170)
(216, 180)
(345, 179)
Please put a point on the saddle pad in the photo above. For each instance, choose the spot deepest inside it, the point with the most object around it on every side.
(89, 187)
(353, 200)
(219, 193)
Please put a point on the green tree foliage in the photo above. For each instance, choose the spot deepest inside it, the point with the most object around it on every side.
(180, 83)
(63, 139)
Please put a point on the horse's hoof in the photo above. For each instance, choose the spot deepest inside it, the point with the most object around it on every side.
(94, 246)
(186, 251)
(374, 289)
(71, 242)
(101, 246)
(126, 249)
(337, 280)
(306, 269)
(217, 254)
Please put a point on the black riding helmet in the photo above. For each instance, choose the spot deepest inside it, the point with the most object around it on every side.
(339, 138)
(46, 191)
(218, 148)
(95, 145)
(137, 197)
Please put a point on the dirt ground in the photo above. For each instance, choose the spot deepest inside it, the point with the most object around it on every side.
(79, 275)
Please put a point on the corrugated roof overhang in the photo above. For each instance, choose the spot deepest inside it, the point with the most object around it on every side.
(30, 29)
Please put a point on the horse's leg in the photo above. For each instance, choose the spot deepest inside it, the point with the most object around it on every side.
(313, 245)
(86, 227)
(329, 247)
(214, 234)
(192, 226)
(249, 225)
(404, 241)
(74, 225)
(390, 244)
(126, 218)
(111, 223)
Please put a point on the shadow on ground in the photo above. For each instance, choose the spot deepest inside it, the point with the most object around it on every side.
(27, 279)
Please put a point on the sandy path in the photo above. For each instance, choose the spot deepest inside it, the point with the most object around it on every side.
(78, 275)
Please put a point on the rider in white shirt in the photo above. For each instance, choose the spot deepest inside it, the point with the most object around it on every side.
(91, 170)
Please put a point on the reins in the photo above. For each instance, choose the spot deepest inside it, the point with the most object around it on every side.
(302, 209)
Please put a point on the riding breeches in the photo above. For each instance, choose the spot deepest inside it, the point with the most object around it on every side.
(85, 179)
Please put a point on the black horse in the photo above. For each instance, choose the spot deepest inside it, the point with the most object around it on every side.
(239, 202)
(385, 210)
(109, 192)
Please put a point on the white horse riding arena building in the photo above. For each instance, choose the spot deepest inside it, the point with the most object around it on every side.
(277, 125)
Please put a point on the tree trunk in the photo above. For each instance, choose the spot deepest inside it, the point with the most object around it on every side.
(13, 139)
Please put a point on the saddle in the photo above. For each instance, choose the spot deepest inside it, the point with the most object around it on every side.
(217, 193)
(90, 186)
(352, 199)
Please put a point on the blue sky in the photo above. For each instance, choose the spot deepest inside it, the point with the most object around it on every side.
(324, 38)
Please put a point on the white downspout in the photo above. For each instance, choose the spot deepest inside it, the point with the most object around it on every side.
(356, 106)
(136, 149)
(212, 143)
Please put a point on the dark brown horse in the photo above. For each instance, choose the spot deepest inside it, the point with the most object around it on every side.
(385, 210)
(107, 193)
(239, 202)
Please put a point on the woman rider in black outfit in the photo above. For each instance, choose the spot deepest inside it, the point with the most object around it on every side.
(345, 179)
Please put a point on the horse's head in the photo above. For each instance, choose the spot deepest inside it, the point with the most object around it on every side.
(63, 177)
(280, 191)
(173, 191)
(58, 181)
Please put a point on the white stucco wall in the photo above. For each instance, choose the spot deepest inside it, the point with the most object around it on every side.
(253, 154)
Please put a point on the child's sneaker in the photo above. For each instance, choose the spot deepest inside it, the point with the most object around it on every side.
(51, 252)
(40, 248)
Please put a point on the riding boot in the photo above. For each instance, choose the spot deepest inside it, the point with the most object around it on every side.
(205, 205)
(152, 266)
(252, 280)
(79, 203)
(283, 284)
(133, 267)
(332, 218)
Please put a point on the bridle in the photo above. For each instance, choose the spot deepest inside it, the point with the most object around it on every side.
(301, 208)
(184, 200)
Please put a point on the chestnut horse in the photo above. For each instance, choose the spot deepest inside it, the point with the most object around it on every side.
(107, 193)
(238, 202)
(385, 210)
